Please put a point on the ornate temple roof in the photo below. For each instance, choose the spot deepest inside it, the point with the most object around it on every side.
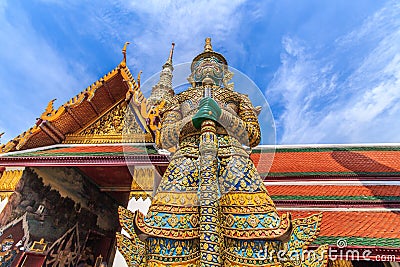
(85, 155)
(83, 119)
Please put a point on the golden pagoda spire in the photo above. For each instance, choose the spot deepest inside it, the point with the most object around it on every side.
(208, 46)
(164, 86)
(167, 69)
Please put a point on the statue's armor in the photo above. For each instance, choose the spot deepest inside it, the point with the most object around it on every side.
(250, 230)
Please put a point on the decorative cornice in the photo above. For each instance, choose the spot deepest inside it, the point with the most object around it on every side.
(84, 160)
(292, 203)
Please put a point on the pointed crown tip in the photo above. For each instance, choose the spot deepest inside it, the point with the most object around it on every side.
(208, 46)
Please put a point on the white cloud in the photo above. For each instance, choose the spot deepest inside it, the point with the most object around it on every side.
(187, 23)
(297, 85)
(323, 104)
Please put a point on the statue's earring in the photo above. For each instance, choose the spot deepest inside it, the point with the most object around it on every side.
(227, 77)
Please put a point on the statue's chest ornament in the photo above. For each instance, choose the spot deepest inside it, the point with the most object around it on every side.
(225, 101)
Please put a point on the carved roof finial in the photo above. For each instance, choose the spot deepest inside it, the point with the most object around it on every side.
(124, 50)
(208, 46)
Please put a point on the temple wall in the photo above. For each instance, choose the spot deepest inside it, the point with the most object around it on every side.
(56, 199)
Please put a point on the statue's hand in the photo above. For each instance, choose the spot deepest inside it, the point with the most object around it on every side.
(208, 110)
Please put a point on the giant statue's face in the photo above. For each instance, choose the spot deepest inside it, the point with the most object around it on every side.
(210, 67)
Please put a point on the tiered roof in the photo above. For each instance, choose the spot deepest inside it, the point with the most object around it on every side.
(356, 187)
(321, 160)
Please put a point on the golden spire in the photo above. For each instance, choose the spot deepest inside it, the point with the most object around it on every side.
(163, 88)
(208, 46)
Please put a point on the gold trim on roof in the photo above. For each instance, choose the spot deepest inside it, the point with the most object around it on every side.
(107, 139)
(9, 179)
(116, 125)
(4, 195)
(51, 114)
(143, 178)
(140, 194)
(124, 51)
(142, 182)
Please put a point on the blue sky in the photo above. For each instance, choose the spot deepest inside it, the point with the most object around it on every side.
(330, 70)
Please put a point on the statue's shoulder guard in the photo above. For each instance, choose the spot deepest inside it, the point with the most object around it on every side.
(246, 104)
(171, 103)
(174, 102)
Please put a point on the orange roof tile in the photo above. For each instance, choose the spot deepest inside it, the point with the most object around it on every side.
(327, 162)
(357, 224)
(330, 190)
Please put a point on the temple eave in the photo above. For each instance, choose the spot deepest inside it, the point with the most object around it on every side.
(83, 161)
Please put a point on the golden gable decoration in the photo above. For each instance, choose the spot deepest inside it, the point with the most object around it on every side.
(117, 125)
